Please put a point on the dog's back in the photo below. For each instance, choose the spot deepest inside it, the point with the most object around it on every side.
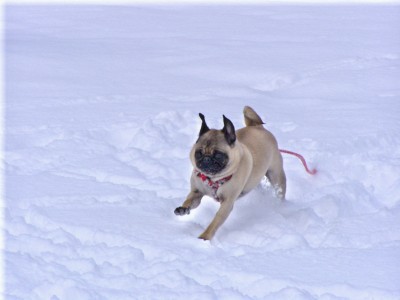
(262, 146)
(259, 140)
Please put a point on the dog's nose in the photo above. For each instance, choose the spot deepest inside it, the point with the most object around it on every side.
(206, 160)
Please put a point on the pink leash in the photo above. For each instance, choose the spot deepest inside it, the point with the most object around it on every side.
(312, 172)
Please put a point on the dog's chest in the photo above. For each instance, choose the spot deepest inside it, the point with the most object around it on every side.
(209, 186)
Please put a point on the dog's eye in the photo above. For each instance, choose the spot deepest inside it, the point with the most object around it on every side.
(198, 154)
(219, 155)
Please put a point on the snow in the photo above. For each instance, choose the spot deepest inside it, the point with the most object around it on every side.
(101, 111)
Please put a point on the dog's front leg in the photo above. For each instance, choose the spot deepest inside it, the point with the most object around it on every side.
(192, 201)
(220, 217)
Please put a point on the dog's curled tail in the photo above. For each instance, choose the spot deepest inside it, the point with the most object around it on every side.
(251, 118)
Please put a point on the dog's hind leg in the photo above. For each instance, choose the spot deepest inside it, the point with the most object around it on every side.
(277, 178)
(278, 181)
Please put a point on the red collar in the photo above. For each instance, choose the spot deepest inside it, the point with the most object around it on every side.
(214, 185)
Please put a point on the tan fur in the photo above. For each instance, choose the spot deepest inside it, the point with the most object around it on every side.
(254, 155)
(251, 118)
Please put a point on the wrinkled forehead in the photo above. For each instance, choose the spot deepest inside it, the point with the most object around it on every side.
(211, 141)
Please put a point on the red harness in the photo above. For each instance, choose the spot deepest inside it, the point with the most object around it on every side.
(214, 185)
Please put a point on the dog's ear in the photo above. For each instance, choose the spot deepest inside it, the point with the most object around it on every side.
(229, 131)
(204, 128)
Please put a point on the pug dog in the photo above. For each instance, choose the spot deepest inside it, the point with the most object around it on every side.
(227, 164)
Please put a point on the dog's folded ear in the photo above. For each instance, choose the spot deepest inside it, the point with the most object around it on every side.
(229, 131)
(204, 128)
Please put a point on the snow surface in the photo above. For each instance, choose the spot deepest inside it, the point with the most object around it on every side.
(101, 112)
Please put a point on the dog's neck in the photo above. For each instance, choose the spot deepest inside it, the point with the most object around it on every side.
(214, 185)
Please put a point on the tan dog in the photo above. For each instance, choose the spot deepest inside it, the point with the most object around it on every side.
(228, 164)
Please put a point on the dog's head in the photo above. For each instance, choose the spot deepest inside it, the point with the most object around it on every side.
(211, 153)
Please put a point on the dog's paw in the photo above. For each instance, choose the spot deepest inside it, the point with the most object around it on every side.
(205, 236)
(180, 211)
